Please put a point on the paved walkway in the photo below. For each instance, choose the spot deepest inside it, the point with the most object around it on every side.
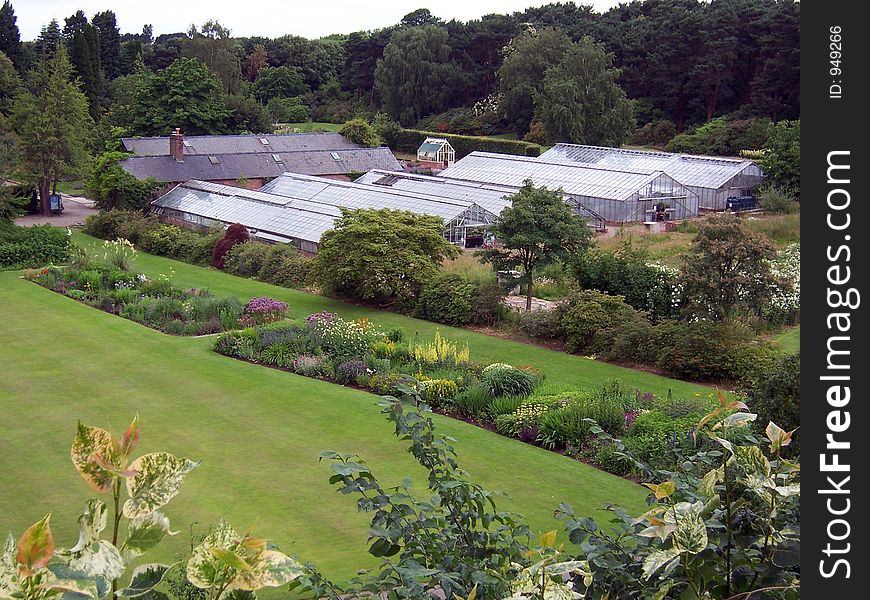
(75, 211)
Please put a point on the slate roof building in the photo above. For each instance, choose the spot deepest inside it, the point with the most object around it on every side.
(250, 160)
(601, 193)
(297, 208)
(712, 178)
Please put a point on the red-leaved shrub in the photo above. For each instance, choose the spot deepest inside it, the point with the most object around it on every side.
(236, 234)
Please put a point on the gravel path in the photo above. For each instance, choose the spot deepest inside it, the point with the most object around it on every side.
(75, 211)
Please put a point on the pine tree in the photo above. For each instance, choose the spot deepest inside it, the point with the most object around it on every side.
(10, 37)
(110, 43)
(52, 122)
(46, 44)
(84, 54)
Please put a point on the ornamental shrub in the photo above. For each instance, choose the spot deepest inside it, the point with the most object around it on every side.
(246, 260)
(504, 380)
(447, 298)
(308, 365)
(487, 304)
(235, 234)
(439, 392)
(349, 371)
(591, 320)
(284, 265)
(31, 247)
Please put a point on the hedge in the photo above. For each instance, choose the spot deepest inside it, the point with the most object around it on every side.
(408, 140)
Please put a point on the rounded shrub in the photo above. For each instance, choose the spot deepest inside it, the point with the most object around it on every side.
(505, 380)
(349, 371)
(447, 298)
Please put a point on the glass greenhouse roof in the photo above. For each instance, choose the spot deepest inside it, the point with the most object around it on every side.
(590, 180)
(697, 171)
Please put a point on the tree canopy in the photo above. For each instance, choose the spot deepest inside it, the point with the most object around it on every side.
(52, 121)
(10, 37)
(538, 228)
(278, 82)
(781, 156)
(727, 268)
(186, 94)
(581, 101)
(416, 77)
(381, 254)
(521, 76)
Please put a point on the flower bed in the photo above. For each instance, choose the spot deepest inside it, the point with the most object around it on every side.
(499, 396)
(154, 303)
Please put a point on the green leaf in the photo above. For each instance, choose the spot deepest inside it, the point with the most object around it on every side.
(752, 460)
(91, 523)
(662, 592)
(144, 579)
(203, 568)
(230, 559)
(657, 559)
(36, 546)
(158, 479)
(144, 533)
(269, 569)
(383, 547)
(88, 443)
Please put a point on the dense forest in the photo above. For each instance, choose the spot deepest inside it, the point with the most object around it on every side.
(664, 66)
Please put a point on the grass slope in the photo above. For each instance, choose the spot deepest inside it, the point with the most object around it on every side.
(559, 368)
(789, 340)
(258, 430)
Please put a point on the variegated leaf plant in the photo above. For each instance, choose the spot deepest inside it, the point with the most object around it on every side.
(226, 561)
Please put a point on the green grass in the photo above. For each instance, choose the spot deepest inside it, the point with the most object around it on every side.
(789, 340)
(306, 127)
(558, 367)
(71, 188)
(258, 430)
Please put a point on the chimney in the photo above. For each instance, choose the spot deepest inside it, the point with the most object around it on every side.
(176, 145)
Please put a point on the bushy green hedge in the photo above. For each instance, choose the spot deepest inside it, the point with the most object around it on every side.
(408, 140)
(30, 247)
(447, 299)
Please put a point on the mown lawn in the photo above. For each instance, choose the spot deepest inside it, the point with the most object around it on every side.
(259, 432)
(789, 340)
(559, 368)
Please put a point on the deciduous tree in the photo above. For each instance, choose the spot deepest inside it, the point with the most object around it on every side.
(727, 268)
(781, 156)
(521, 76)
(185, 94)
(278, 82)
(381, 254)
(581, 101)
(537, 229)
(415, 77)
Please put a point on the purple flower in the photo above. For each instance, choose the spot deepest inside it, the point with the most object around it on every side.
(265, 306)
(324, 316)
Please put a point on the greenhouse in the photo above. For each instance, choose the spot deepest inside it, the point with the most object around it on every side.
(601, 193)
(298, 209)
(713, 179)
